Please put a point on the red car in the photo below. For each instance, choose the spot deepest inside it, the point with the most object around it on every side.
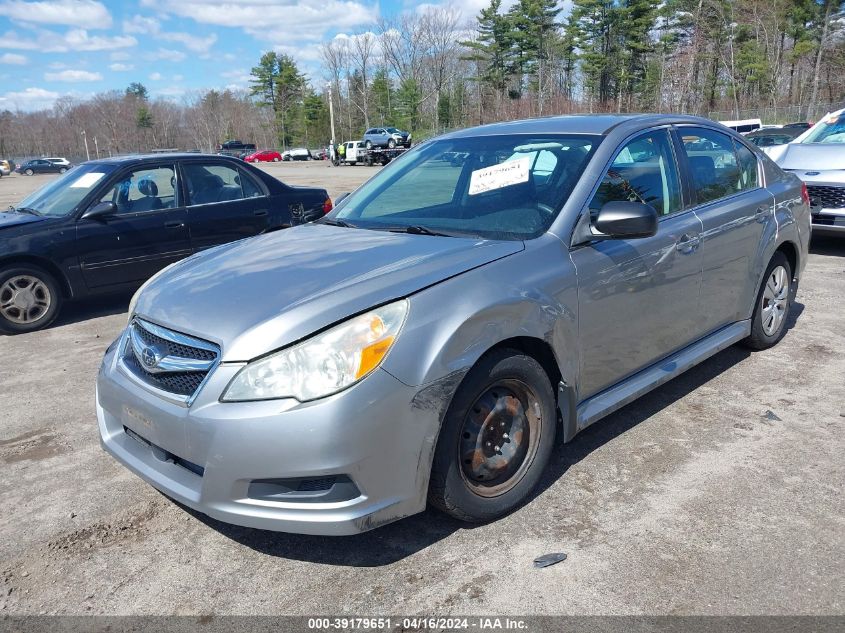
(264, 156)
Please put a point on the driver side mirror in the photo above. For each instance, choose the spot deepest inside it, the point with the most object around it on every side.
(341, 198)
(622, 219)
(100, 210)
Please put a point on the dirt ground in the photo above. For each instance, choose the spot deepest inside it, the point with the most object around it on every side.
(719, 493)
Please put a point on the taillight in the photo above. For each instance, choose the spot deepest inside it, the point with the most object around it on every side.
(805, 195)
(327, 206)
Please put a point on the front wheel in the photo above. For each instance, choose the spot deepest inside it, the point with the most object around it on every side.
(62, 170)
(29, 172)
(496, 438)
(391, 144)
(275, 159)
(774, 300)
(368, 145)
(30, 299)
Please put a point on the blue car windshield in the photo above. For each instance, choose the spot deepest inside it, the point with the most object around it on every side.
(61, 196)
(830, 130)
(508, 187)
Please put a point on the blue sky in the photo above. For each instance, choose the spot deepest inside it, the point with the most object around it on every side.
(53, 48)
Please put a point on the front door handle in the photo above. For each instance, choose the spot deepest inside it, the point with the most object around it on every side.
(688, 243)
(174, 225)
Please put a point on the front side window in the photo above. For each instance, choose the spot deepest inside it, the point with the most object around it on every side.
(495, 187)
(212, 183)
(713, 164)
(644, 171)
(147, 189)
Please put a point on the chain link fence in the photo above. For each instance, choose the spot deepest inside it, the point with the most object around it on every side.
(776, 114)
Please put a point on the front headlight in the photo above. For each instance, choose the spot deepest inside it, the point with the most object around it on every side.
(324, 364)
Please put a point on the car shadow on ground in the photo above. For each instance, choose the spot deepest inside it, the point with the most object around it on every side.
(827, 245)
(78, 311)
(396, 541)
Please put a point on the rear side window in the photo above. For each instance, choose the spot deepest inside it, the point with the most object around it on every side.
(713, 164)
(643, 171)
(212, 183)
(748, 178)
(250, 187)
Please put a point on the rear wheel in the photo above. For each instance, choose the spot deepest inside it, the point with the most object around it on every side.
(30, 299)
(496, 438)
(774, 300)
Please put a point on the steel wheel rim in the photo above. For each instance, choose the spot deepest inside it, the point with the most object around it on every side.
(775, 300)
(24, 299)
(499, 438)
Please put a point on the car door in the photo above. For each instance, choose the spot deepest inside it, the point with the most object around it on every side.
(638, 298)
(224, 203)
(147, 231)
(735, 211)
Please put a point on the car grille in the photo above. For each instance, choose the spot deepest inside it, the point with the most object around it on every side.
(826, 197)
(170, 361)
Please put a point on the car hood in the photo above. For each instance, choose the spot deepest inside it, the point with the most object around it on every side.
(813, 156)
(14, 219)
(260, 294)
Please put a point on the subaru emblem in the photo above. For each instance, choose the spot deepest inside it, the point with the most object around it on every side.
(149, 357)
(811, 173)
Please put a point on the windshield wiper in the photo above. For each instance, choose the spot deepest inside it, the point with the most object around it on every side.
(418, 230)
(335, 222)
(28, 210)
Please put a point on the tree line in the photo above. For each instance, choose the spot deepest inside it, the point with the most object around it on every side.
(432, 71)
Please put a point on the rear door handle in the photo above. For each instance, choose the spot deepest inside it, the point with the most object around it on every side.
(688, 243)
(260, 212)
(762, 213)
(174, 225)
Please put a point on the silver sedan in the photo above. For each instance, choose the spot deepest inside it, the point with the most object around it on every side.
(432, 338)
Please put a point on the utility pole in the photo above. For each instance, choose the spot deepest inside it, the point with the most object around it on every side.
(85, 138)
(331, 113)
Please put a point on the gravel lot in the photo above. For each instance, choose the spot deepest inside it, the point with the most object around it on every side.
(719, 493)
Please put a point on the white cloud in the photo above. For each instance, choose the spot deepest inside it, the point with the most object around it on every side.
(277, 21)
(141, 24)
(73, 76)
(72, 40)
(12, 59)
(117, 67)
(28, 99)
(191, 42)
(85, 13)
(167, 54)
(155, 76)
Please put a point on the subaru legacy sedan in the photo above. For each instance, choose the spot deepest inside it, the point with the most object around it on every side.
(430, 339)
(108, 225)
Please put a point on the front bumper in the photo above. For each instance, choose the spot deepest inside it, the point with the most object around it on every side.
(828, 221)
(209, 456)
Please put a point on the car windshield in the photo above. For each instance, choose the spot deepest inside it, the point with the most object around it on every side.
(61, 196)
(392, 130)
(829, 130)
(508, 187)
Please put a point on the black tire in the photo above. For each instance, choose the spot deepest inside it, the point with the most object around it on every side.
(469, 498)
(62, 170)
(391, 144)
(760, 337)
(29, 172)
(12, 326)
(368, 145)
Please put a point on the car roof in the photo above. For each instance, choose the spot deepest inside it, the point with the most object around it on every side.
(577, 124)
(151, 158)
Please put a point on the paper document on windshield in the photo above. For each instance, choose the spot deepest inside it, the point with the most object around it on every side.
(87, 180)
(498, 176)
